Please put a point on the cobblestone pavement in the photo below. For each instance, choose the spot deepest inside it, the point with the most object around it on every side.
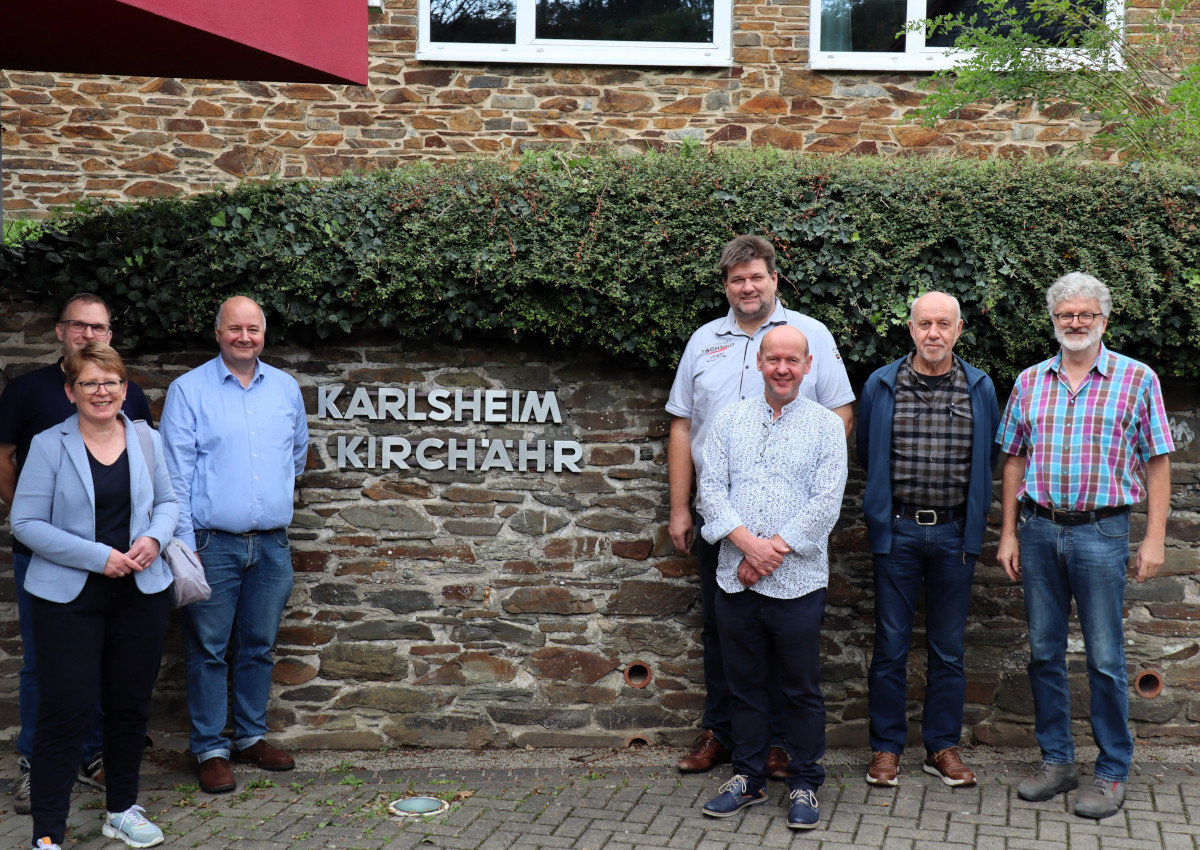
(601, 801)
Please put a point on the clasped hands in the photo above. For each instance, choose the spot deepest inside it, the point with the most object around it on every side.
(760, 556)
(140, 555)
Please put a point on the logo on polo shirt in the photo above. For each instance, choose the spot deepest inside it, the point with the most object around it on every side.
(715, 350)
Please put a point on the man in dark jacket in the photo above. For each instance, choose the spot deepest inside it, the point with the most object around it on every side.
(925, 438)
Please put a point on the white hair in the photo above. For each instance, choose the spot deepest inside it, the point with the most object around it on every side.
(1078, 285)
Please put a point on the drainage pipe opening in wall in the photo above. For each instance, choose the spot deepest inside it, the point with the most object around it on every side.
(636, 742)
(638, 674)
(1148, 684)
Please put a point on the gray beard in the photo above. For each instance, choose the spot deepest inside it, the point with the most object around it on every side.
(1074, 343)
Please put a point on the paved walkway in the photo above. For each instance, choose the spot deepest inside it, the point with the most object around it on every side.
(606, 800)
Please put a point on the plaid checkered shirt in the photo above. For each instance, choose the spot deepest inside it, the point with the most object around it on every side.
(1087, 449)
(931, 439)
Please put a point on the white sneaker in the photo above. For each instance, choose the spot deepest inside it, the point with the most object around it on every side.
(132, 827)
(45, 844)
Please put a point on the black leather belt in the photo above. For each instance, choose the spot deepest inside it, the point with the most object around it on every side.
(1076, 517)
(930, 516)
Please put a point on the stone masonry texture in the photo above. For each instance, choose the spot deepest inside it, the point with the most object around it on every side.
(495, 609)
(67, 137)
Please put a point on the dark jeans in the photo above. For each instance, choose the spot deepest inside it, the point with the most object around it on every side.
(27, 691)
(931, 556)
(766, 640)
(106, 642)
(716, 689)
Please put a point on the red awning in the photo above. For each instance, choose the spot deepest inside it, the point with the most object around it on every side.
(303, 41)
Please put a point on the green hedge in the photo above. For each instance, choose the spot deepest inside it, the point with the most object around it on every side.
(620, 255)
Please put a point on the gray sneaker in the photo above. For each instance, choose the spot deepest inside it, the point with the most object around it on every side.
(1048, 780)
(1102, 799)
(21, 789)
(132, 827)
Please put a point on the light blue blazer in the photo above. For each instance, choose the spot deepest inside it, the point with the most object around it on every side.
(54, 512)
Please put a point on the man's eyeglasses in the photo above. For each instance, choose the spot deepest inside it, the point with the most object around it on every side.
(1085, 319)
(79, 327)
(93, 387)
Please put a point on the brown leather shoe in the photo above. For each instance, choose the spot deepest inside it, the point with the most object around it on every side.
(777, 762)
(265, 756)
(706, 754)
(884, 769)
(215, 776)
(947, 766)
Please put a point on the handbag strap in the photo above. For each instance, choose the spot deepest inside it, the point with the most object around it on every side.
(143, 431)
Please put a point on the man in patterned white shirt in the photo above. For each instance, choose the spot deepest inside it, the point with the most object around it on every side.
(716, 370)
(771, 489)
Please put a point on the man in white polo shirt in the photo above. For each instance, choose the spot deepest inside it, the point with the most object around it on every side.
(718, 368)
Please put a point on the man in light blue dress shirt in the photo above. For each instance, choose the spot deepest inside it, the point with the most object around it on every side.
(236, 437)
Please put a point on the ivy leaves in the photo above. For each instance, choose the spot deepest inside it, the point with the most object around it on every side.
(620, 255)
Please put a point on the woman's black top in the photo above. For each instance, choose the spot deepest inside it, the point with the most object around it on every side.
(113, 509)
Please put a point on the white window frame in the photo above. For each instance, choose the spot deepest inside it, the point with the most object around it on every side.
(917, 56)
(528, 49)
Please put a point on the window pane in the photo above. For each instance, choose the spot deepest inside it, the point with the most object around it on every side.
(868, 26)
(473, 21)
(626, 20)
(1052, 33)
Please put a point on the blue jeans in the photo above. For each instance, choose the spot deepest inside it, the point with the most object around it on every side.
(27, 689)
(716, 688)
(251, 580)
(932, 556)
(1087, 563)
(774, 640)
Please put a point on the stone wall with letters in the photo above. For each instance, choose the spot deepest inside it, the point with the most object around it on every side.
(496, 570)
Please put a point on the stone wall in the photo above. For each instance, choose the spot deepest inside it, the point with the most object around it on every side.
(496, 608)
(67, 137)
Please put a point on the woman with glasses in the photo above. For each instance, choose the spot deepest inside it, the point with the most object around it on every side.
(95, 513)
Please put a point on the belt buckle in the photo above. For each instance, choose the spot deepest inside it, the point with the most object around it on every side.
(930, 512)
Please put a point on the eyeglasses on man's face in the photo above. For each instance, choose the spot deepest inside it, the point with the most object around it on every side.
(93, 387)
(1084, 319)
(78, 327)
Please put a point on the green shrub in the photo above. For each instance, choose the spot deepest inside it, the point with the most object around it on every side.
(620, 255)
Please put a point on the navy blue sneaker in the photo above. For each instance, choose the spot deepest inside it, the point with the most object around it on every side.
(733, 798)
(803, 813)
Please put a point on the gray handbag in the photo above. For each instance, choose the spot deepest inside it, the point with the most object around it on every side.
(190, 584)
